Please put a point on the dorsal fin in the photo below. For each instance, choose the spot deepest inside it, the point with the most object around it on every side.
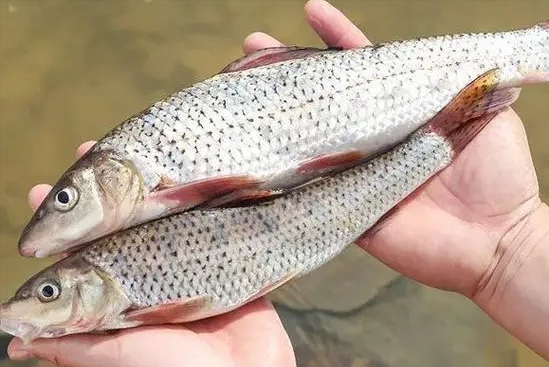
(272, 55)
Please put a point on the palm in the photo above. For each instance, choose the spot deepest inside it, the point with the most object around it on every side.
(249, 336)
(454, 224)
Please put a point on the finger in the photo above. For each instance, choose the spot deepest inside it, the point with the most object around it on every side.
(74, 351)
(110, 350)
(259, 40)
(84, 147)
(335, 29)
(255, 326)
(37, 195)
(413, 240)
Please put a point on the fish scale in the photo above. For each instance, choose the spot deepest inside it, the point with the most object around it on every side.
(276, 121)
(200, 252)
(203, 263)
(334, 85)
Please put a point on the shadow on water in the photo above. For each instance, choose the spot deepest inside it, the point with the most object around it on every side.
(70, 70)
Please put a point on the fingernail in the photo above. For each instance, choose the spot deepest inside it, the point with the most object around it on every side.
(326, 6)
(20, 354)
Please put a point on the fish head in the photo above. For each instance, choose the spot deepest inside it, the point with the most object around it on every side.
(95, 197)
(67, 298)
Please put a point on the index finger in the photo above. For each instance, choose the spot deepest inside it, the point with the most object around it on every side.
(335, 29)
(331, 25)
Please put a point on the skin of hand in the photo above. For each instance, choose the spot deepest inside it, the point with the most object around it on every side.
(471, 229)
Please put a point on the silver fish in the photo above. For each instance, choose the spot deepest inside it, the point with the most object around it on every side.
(198, 264)
(278, 120)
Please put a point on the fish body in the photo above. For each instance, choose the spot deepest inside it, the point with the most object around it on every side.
(201, 263)
(275, 121)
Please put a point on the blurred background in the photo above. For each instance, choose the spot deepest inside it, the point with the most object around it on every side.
(70, 70)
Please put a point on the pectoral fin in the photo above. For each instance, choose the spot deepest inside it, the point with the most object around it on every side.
(331, 162)
(187, 196)
(306, 173)
(170, 313)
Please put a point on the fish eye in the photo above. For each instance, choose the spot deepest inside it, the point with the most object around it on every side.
(48, 291)
(66, 198)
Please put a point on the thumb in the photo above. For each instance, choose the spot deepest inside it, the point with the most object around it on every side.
(71, 351)
(136, 347)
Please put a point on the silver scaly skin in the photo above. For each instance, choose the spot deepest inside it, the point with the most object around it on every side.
(198, 264)
(231, 254)
(254, 129)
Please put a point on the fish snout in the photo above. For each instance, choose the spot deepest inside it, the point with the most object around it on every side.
(13, 325)
(27, 243)
(30, 248)
(27, 249)
(20, 329)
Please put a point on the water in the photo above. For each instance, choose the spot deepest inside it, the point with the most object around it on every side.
(70, 70)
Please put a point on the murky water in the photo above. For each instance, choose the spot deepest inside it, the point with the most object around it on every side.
(70, 70)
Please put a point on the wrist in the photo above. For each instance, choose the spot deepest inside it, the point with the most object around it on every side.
(516, 293)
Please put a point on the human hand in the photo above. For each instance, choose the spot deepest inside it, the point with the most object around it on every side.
(458, 232)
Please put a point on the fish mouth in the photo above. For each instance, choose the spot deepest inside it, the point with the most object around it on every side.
(27, 249)
(20, 329)
(31, 249)
(27, 332)
(35, 249)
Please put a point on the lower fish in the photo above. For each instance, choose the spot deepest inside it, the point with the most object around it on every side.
(199, 264)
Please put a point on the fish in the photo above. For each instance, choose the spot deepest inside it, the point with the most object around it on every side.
(201, 263)
(275, 121)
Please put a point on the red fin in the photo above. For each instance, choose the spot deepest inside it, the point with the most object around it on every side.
(463, 135)
(331, 161)
(307, 173)
(163, 184)
(169, 313)
(272, 55)
(241, 198)
(195, 193)
(480, 97)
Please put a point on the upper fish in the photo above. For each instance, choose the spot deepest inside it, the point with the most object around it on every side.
(275, 121)
(201, 263)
